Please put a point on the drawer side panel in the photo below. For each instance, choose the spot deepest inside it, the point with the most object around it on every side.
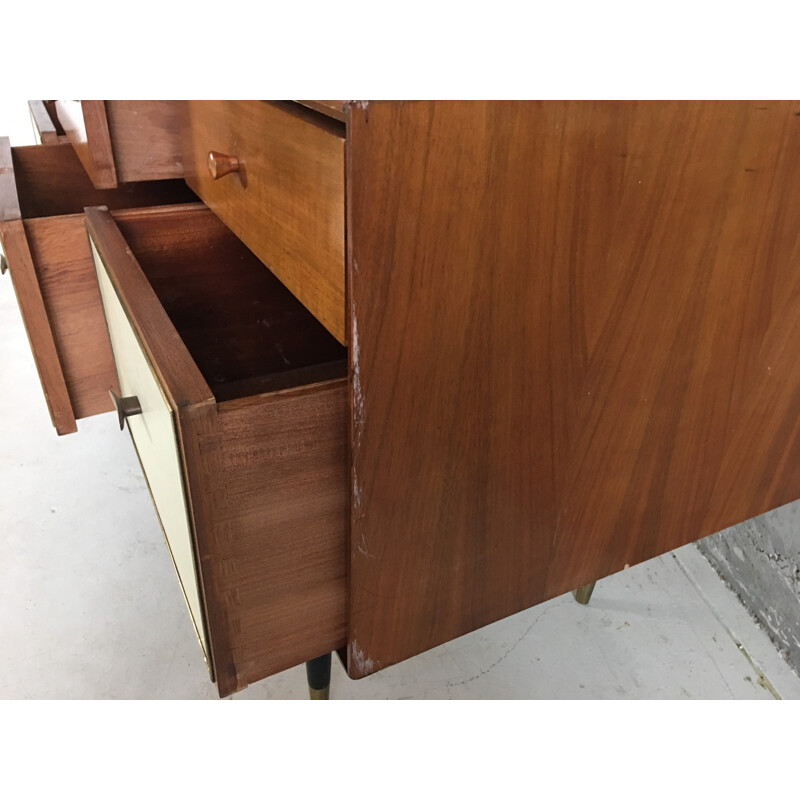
(68, 284)
(14, 245)
(269, 474)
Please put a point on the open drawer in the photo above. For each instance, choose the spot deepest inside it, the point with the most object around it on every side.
(43, 191)
(236, 401)
(120, 141)
(277, 180)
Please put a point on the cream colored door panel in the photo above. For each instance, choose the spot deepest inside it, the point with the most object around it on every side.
(154, 436)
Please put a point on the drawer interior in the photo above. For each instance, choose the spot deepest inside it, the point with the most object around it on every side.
(51, 181)
(245, 331)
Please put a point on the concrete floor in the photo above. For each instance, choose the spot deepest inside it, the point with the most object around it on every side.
(90, 606)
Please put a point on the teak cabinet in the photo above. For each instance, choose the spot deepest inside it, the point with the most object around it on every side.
(407, 368)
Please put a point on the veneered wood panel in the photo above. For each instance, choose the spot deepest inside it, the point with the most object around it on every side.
(50, 181)
(145, 139)
(68, 285)
(337, 109)
(574, 335)
(37, 325)
(287, 202)
(268, 475)
(86, 126)
(47, 188)
(241, 325)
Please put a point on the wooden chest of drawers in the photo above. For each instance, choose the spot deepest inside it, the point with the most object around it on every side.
(570, 335)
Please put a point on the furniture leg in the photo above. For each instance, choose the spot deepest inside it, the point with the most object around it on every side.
(584, 594)
(318, 672)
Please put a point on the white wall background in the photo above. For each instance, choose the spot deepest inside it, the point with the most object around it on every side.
(15, 122)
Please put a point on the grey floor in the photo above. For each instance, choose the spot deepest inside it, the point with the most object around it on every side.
(90, 606)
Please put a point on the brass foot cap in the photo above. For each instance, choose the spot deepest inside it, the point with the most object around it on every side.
(584, 594)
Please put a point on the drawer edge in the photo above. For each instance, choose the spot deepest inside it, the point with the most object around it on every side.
(25, 280)
(176, 371)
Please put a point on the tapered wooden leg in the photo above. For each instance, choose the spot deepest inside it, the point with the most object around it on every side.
(584, 594)
(318, 672)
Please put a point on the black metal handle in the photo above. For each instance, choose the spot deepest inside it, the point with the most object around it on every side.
(126, 407)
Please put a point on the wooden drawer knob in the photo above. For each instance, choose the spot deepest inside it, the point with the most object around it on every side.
(126, 407)
(220, 165)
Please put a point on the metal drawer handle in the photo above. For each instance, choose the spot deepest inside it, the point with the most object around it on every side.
(126, 407)
(220, 165)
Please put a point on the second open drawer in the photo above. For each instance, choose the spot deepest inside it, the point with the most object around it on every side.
(236, 401)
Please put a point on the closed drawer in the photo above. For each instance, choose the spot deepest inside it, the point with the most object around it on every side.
(43, 191)
(241, 435)
(286, 201)
(123, 141)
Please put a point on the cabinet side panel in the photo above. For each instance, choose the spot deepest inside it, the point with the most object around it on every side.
(574, 333)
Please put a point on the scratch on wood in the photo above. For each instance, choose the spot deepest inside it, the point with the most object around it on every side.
(364, 666)
(358, 397)
(358, 411)
(362, 545)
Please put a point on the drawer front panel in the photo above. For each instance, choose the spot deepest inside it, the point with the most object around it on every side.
(153, 434)
(286, 202)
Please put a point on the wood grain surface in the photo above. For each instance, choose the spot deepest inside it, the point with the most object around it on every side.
(46, 187)
(145, 139)
(66, 278)
(37, 325)
(286, 203)
(574, 347)
(240, 324)
(270, 476)
(86, 125)
(49, 181)
(337, 109)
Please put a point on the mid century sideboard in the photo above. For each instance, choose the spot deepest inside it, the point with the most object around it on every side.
(397, 370)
